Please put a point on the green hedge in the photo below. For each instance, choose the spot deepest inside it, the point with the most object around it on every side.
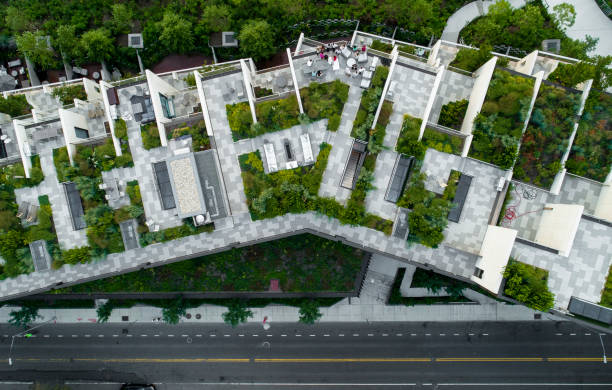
(547, 135)
(498, 127)
(591, 154)
(407, 142)
(301, 263)
(363, 125)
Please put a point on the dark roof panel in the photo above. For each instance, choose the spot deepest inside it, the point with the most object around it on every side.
(402, 168)
(163, 184)
(75, 205)
(212, 188)
(460, 195)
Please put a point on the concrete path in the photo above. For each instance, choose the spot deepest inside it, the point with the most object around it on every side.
(590, 20)
(469, 12)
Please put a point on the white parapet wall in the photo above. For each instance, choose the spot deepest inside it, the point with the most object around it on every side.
(493, 258)
(431, 100)
(394, 54)
(246, 76)
(527, 63)
(104, 86)
(69, 121)
(479, 91)
(156, 86)
(433, 54)
(24, 149)
(295, 82)
(603, 209)
(202, 96)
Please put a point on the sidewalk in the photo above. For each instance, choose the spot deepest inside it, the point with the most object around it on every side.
(341, 312)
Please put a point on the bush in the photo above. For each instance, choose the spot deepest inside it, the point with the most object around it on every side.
(528, 284)
(237, 313)
(407, 142)
(104, 312)
(121, 129)
(309, 312)
(381, 46)
(325, 101)
(470, 60)
(77, 255)
(240, 120)
(452, 114)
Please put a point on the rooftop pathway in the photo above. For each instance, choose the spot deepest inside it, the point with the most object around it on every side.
(375, 199)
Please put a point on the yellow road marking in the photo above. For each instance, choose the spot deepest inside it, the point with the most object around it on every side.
(138, 360)
(501, 359)
(576, 359)
(341, 360)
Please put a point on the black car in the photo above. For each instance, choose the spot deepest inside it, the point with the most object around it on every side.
(132, 386)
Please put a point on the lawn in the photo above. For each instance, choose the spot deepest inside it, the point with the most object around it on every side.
(302, 263)
(547, 135)
(591, 154)
(499, 125)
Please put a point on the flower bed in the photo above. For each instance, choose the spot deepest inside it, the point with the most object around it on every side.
(330, 265)
(547, 134)
(296, 191)
(499, 125)
(591, 154)
(325, 101)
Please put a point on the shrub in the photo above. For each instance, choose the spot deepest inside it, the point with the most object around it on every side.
(452, 114)
(325, 101)
(150, 136)
(309, 312)
(381, 46)
(237, 313)
(68, 93)
(190, 80)
(528, 284)
(470, 60)
(240, 120)
(14, 105)
(104, 311)
(133, 191)
(121, 129)
(77, 255)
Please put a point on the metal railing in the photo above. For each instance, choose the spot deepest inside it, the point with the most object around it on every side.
(30, 89)
(605, 8)
(131, 80)
(278, 67)
(461, 71)
(446, 130)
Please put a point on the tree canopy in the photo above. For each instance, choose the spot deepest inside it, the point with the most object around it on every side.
(97, 45)
(257, 39)
(34, 45)
(176, 33)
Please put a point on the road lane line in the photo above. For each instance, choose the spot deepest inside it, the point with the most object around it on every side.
(399, 334)
(455, 334)
(100, 335)
(576, 359)
(325, 335)
(385, 334)
(492, 359)
(427, 334)
(442, 334)
(412, 334)
(198, 335)
(341, 335)
(226, 335)
(471, 334)
(339, 360)
(485, 334)
(370, 334)
(170, 335)
(143, 335)
(587, 334)
(283, 335)
(312, 335)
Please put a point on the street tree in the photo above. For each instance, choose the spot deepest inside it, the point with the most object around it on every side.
(172, 313)
(24, 316)
(97, 45)
(257, 39)
(309, 311)
(176, 33)
(104, 311)
(237, 313)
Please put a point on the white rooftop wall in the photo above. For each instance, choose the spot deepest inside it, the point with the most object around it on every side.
(558, 226)
(495, 252)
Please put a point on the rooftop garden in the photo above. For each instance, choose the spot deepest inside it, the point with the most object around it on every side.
(442, 142)
(499, 125)
(547, 135)
(150, 136)
(528, 284)
(15, 236)
(381, 46)
(199, 137)
(363, 125)
(296, 191)
(14, 105)
(325, 101)
(68, 93)
(428, 217)
(470, 60)
(597, 69)
(591, 154)
(301, 263)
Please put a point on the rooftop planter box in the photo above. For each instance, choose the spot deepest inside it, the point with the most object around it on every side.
(452, 114)
(499, 125)
(332, 267)
(471, 59)
(14, 105)
(272, 115)
(325, 101)
(199, 137)
(547, 135)
(528, 284)
(364, 120)
(591, 154)
(150, 136)
(408, 143)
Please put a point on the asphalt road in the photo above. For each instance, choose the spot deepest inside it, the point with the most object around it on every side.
(326, 356)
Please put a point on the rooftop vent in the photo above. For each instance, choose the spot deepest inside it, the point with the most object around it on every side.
(135, 41)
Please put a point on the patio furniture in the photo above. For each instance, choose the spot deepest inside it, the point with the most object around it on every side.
(14, 63)
(336, 65)
(14, 73)
(346, 52)
(363, 57)
(107, 197)
(62, 78)
(32, 213)
(365, 83)
(23, 209)
(21, 70)
(374, 63)
(102, 186)
(347, 71)
(8, 141)
(96, 75)
(367, 74)
(350, 62)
